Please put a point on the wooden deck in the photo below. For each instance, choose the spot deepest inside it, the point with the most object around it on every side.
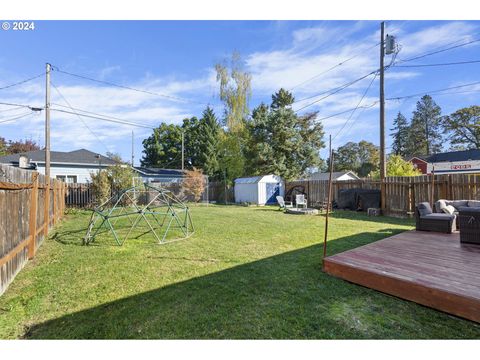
(431, 269)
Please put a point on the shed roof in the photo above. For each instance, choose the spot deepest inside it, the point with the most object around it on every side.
(335, 175)
(253, 179)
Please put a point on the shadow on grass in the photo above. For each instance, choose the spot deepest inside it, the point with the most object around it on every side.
(283, 296)
(361, 215)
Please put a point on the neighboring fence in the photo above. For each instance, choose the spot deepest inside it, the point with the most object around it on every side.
(216, 192)
(402, 193)
(27, 211)
(82, 195)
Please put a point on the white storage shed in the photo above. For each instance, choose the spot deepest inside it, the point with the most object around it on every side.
(259, 190)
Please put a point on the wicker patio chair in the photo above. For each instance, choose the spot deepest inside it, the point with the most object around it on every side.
(427, 220)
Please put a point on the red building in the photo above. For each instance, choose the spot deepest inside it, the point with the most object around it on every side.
(420, 163)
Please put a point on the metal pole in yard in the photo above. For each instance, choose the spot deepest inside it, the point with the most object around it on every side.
(383, 168)
(432, 192)
(329, 200)
(183, 149)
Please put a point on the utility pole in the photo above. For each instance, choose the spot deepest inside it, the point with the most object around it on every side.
(383, 167)
(183, 149)
(47, 122)
(132, 149)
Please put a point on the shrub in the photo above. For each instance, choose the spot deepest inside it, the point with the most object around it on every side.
(193, 184)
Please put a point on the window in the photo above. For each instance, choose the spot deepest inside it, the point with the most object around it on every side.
(69, 179)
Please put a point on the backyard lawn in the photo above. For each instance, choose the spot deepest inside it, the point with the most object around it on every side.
(247, 273)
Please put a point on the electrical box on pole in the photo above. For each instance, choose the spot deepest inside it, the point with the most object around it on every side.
(390, 45)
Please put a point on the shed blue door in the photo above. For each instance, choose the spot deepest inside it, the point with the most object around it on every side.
(273, 190)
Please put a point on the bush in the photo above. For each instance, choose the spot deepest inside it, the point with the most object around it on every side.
(193, 184)
(113, 180)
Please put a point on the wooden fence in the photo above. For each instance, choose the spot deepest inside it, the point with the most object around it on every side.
(29, 206)
(402, 193)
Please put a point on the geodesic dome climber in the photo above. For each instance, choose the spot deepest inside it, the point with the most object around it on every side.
(157, 209)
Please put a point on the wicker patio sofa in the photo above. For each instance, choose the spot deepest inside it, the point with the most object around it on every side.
(427, 220)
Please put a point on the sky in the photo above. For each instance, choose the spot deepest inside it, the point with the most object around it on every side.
(176, 59)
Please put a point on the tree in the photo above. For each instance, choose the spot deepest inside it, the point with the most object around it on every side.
(163, 148)
(3, 146)
(400, 135)
(463, 127)
(208, 143)
(396, 166)
(424, 133)
(21, 146)
(281, 142)
(362, 157)
(282, 99)
(193, 184)
(235, 92)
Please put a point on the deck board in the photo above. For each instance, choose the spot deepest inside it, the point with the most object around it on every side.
(432, 269)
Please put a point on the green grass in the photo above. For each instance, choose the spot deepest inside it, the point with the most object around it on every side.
(248, 272)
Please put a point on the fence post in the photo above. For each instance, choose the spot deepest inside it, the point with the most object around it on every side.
(46, 217)
(33, 216)
(54, 201)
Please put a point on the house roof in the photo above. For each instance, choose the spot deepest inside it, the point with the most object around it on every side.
(335, 175)
(81, 156)
(473, 154)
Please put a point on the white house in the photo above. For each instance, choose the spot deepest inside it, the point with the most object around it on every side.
(259, 190)
(71, 167)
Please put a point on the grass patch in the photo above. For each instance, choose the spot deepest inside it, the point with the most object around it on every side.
(247, 273)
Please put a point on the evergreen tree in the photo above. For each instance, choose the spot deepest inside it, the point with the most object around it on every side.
(282, 99)
(281, 142)
(400, 135)
(424, 133)
(208, 143)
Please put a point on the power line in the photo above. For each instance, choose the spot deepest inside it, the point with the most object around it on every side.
(333, 67)
(22, 82)
(439, 51)
(33, 108)
(106, 117)
(127, 87)
(333, 91)
(355, 109)
(346, 111)
(441, 64)
(433, 91)
(84, 123)
(11, 109)
(17, 117)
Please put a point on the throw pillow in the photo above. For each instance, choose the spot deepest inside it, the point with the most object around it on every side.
(449, 209)
(424, 209)
(440, 205)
